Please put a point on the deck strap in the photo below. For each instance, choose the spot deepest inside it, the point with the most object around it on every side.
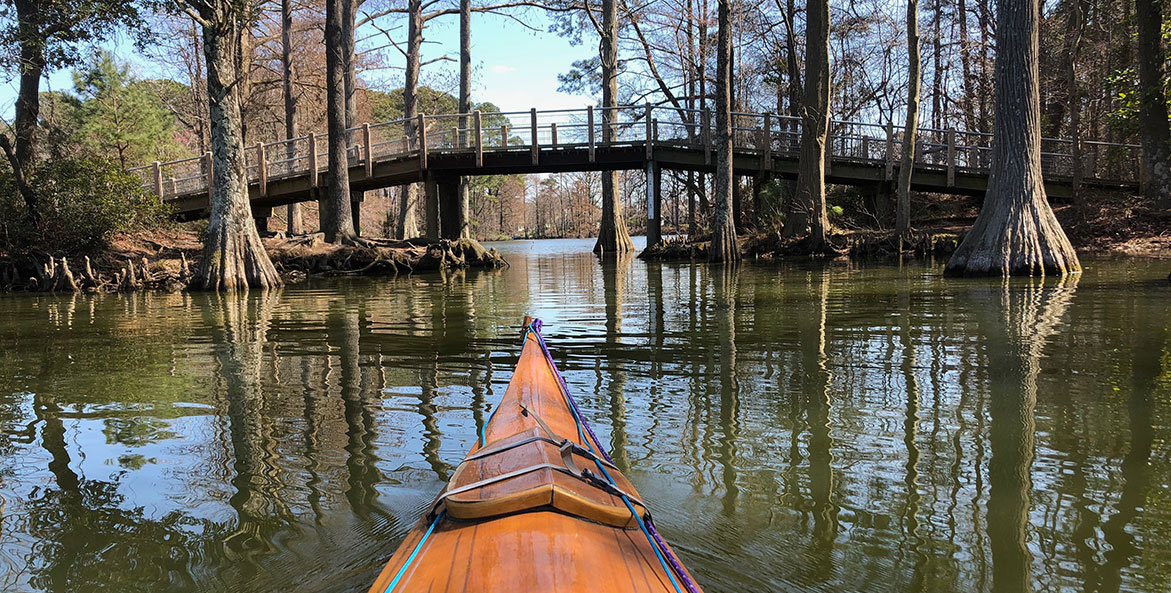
(578, 449)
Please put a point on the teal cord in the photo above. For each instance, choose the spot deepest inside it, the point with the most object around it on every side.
(415, 552)
(581, 433)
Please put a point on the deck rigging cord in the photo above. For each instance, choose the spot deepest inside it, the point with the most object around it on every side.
(671, 565)
(663, 553)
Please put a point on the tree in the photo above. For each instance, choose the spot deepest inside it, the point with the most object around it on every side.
(911, 129)
(612, 234)
(807, 217)
(336, 217)
(294, 217)
(724, 247)
(462, 219)
(119, 115)
(45, 36)
(1156, 137)
(1016, 232)
(233, 256)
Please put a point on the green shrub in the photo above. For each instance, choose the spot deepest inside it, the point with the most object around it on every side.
(82, 202)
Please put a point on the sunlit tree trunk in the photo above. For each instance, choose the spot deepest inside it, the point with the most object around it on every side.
(463, 209)
(724, 247)
(233, 256)
(911, 129)
(1016, 232)
(1156, 137)
(295, 218)
(612, 234)
(336, 218)
(407, 222)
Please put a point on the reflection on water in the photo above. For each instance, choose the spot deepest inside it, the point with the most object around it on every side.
(813, 427)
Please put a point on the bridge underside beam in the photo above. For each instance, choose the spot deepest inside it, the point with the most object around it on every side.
(567, 158)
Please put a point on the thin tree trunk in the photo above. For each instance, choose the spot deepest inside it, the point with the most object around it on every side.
(233, 256)
(937, 68)
(336, 218)
(463, 214)
(807, 217)
(724, 247)
(911, 130)
(965, 66)
(28, 98)
(1156, 137)
(351, 76)
(1074, 106)
(1016, 232)
(407, 222)
(295, 218)
(613, 237)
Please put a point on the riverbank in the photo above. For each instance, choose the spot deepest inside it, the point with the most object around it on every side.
(1108, 224)
(164, 259)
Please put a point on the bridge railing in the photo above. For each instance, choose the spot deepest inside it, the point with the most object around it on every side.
(770, 135)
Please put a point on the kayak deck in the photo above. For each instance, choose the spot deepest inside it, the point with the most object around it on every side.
(535, 506)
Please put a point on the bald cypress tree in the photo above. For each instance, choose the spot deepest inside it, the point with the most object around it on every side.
(1016, 232)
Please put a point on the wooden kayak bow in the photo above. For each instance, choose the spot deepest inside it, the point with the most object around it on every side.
(536, 505)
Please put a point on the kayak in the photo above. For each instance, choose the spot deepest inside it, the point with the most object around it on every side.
(536, 505)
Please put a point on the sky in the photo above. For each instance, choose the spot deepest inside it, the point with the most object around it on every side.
(513, 67)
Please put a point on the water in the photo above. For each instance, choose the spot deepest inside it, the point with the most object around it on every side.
(794, 427)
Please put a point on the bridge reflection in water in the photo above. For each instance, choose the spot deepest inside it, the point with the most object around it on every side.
(835, 427)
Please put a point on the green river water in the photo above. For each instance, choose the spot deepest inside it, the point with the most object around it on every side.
(793, 426)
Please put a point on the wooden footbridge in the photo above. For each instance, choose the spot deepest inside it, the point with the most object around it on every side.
(438, 149)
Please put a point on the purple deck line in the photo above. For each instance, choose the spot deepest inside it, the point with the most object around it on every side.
(677, 566)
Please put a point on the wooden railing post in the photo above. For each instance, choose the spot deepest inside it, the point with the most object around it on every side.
(504, 136)
(951, 157)
(890, 150)
(650, 140)
(261, 168)
(368, 147)
(865, 147)
(158, 171)
(210, 174)
(536, 143)
(312, 159)
(706, 119)
(590, 125)
(553, 133)
(768, 142)
(422, 131)
(171, 183)
(479, 138)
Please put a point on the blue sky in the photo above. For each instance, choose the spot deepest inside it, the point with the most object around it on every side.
(513, 66)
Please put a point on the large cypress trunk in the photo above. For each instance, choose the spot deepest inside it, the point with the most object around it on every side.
(336, 218)
(911, 129)
(806, 217)
(612, 234)
(1016, 232)
(233, 256)
(1156, 137)
(724, 247)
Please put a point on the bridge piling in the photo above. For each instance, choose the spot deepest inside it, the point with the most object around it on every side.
(431, 206)
(654, 203)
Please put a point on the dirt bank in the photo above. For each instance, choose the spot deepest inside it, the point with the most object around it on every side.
(165, 259)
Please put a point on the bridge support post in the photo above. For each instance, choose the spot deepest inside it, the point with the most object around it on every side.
(448, 198)
(654, 204)
(260, 216)
(356, 198)
(431, 206)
